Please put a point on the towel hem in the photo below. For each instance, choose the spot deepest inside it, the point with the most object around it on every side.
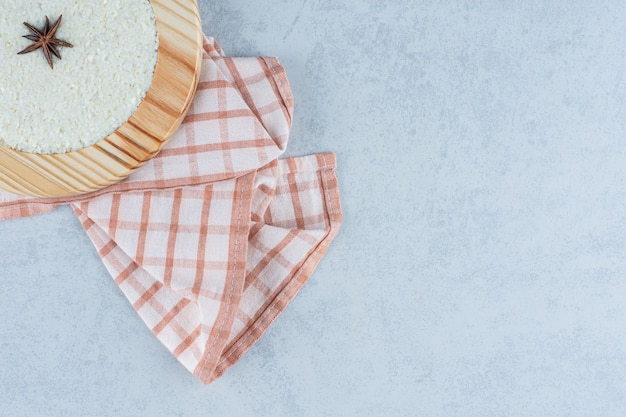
(254, 332)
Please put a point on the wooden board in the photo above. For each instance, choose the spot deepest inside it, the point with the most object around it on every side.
(115, 157)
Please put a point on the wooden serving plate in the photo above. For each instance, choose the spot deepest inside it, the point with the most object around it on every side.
(112, 159)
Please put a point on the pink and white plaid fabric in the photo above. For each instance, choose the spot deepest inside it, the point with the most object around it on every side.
(214, 236)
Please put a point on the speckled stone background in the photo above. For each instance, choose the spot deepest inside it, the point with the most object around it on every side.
(481, 267)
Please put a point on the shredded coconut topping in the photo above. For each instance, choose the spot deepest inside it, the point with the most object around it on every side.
(92, 91)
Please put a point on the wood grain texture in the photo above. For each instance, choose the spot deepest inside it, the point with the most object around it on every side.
(112, 159)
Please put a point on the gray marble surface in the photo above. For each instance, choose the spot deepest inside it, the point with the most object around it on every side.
(480, 270)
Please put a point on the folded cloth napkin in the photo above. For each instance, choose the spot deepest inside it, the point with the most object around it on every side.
(213, 237)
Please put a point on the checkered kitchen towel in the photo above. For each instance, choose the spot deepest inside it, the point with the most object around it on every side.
(213, 237)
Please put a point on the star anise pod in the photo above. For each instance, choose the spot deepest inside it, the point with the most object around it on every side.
(45, 39)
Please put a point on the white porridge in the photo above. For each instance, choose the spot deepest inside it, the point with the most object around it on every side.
(96, 86)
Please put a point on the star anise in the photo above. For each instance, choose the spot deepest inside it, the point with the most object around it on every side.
(45, 39)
